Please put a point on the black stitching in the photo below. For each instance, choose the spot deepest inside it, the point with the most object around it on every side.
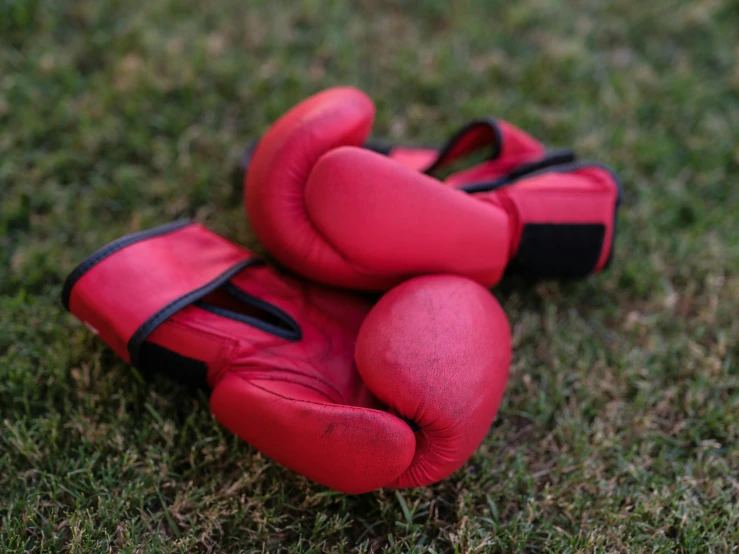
(573, 166)
(385, 148)
(552, 159)
(112, 248)
(134, 343)
(456, 137)
(292, 333)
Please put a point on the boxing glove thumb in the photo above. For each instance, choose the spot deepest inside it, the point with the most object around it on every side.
(436, 350)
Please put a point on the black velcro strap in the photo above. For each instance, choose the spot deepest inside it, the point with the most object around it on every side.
(147, 328)
(552, 159)
(157, 359)
(566, 250)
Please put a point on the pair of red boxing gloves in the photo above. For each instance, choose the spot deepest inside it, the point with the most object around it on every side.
(353, 394)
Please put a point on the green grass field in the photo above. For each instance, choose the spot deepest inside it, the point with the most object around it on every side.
(620, 426)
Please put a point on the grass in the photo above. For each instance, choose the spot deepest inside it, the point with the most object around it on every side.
(619, 431)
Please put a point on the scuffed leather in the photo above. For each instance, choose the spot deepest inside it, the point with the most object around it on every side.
(335, 402)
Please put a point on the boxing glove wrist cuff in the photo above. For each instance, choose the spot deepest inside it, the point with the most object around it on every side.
(128, 288)
(564, 217)
(565, 250)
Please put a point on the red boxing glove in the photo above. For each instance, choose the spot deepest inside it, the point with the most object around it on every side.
(508, 148)
(352, 396)
(348, 216)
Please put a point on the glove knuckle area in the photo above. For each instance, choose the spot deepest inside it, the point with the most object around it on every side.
(391, 221)
(350, 449)
(436, 350)
(282, 163)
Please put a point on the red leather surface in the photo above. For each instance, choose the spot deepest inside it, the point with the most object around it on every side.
(436, 350)
(306, 403)
(585, 194)
(354, 218)
(171, 265)
(283, 164)
(279, 169)
(417, 159)
(309, 406)
(515, 148)
(400, 223)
